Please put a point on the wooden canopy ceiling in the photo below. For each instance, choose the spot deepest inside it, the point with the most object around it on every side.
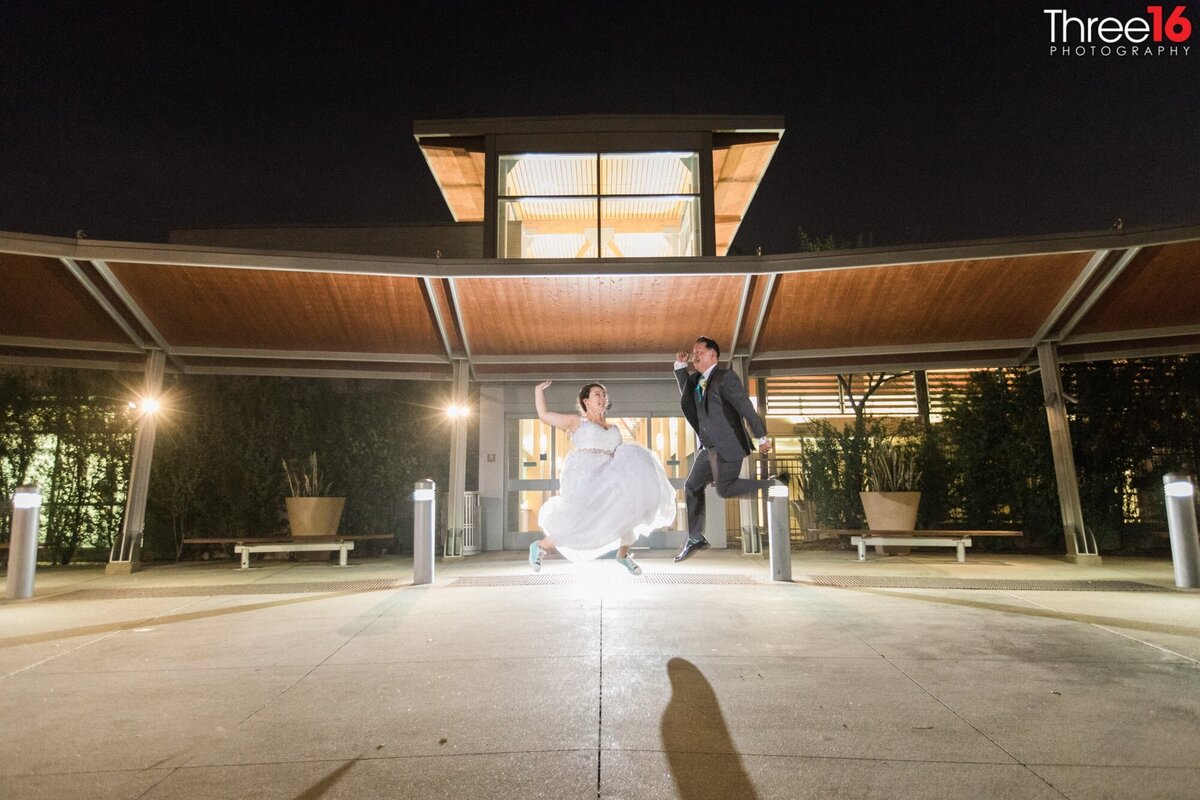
(105, 304)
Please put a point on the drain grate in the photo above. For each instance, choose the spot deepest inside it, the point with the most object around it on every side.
(894, 582)
(559, 580)
(316, 587)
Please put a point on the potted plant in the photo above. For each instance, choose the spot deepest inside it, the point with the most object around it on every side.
(893, 491)
(311, 510)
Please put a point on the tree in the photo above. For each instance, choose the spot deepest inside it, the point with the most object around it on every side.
(998, 445)
(217, 461)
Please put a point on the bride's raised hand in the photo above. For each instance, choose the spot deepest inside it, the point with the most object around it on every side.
(541, 387)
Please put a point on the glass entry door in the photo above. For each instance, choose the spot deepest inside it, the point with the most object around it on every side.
(536, 452)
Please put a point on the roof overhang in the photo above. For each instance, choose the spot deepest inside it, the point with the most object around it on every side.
(106, 304)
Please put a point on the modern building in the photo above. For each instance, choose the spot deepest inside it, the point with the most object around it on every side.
(593, 248)
(565, 189)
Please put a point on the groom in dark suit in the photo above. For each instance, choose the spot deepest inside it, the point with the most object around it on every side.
(715, 403)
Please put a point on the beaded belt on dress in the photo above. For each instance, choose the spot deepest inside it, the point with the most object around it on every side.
(600, 450)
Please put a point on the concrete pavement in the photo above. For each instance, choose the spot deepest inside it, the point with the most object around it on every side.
(701, 680)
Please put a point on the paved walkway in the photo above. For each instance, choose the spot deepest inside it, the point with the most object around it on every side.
(298, 680)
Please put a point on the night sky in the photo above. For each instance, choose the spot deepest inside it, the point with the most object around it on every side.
(906, 122)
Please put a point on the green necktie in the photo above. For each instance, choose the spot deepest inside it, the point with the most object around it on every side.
(700, 387)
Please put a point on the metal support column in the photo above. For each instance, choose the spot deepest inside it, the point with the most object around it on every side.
(921, 386)
(126, 551)
(458, 459)
(747, 511)
(1081, 546)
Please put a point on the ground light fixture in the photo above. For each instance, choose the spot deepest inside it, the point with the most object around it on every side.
(424, 515)
(778, 533)
(1181, 524)
(23, 542)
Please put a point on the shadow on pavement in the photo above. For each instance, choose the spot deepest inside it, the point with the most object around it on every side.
(704, 763)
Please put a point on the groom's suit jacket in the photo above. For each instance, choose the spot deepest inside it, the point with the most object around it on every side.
(717, 419)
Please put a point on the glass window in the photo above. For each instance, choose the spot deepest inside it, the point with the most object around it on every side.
(649, 227)
(547, 175)
(648, 173)
(672, 440)
(547, 227)
(523, 508)
(598, 205)
(534, 439)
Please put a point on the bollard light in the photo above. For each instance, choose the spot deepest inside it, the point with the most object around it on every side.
(424, 493)
(23, 542)
(1181, 524)
(778, 534)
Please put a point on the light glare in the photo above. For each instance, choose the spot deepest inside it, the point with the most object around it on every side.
(1179, 489)
(26, 497)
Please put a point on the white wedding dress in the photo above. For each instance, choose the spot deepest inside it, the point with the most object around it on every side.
(610, 493)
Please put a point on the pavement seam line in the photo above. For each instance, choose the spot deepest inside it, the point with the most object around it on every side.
(314, 668)
(942, 703)
(1114, 631)
(292, 685)
(88, 644)
(974, 727)
(600, 705)
(58, 655)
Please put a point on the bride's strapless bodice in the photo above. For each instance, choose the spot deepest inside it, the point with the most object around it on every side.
(591, 437)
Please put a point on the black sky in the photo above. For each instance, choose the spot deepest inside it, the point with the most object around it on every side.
(906, 121)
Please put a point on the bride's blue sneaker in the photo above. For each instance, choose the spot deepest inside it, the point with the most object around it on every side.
(630, 564)
(535, 557)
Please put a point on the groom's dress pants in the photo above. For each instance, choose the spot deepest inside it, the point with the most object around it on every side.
(709, 468)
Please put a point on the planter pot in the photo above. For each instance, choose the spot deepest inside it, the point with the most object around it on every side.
(891, 511)
(314, 516)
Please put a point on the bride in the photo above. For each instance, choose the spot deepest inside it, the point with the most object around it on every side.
(610, 492)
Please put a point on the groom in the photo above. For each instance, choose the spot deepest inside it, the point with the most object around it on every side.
(715, 403)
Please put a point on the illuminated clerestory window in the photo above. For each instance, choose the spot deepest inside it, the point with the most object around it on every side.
(598, 205)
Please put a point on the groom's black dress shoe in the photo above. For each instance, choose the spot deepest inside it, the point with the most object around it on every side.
(690, 547)
(783, 477)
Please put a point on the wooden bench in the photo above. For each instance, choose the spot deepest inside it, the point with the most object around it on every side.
(245, 545)
(291, 545)
(959, 540)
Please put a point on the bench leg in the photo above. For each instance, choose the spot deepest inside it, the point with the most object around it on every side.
(245, 559)
(862, 551)
(962, 552)
(342, 556)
